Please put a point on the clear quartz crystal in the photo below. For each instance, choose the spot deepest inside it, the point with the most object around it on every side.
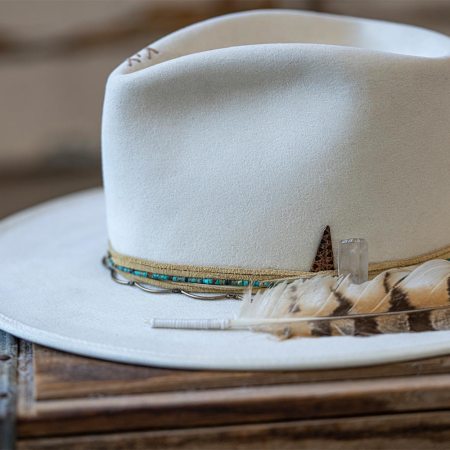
(354, 259)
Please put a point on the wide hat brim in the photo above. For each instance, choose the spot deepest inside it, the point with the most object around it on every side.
(55, 292)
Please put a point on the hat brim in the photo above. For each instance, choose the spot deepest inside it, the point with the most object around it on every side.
(55, 292)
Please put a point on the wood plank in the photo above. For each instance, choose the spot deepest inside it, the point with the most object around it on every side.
(61, 375)
(217, 407)
(418, 431)
(8, 389)
(26, 386)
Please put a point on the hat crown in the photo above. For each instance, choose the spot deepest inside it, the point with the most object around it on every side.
(235, 142)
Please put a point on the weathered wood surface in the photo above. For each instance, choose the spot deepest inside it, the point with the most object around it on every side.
(8, 390)
(415, 431)
(192, 409)
(71, 402)
(61, 375)
(72, 395)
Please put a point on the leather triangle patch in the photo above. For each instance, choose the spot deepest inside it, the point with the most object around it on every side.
(324, 259)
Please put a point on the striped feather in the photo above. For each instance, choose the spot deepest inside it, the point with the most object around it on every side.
(398, 300)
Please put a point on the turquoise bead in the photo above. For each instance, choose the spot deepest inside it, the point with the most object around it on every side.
(138, 273)
(194, 280)
(179, 279)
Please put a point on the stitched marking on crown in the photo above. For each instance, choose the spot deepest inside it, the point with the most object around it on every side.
(149, 52)
(137, 58)
(133, 59)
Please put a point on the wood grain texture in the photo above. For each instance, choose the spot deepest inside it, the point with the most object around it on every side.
(61, 375)
(415, 431)
(71, 400)
(217, 407)
(8, 389)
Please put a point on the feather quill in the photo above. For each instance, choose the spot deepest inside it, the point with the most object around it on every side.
(397, 300)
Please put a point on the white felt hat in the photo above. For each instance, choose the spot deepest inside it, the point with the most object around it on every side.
(232, 144)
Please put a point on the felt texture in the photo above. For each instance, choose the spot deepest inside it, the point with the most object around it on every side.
(245, 135)
(55, 291)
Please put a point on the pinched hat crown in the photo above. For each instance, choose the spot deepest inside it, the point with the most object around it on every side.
(236, 141)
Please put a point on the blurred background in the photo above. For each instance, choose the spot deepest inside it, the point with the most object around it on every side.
(55, 56)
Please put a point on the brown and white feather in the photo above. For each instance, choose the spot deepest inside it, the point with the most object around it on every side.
(397, 300)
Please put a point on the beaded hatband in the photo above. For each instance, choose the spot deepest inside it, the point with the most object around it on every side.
(191, 280)
(226, 280)
(198, 278)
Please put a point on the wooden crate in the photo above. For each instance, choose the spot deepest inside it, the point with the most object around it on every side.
(53, 400)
